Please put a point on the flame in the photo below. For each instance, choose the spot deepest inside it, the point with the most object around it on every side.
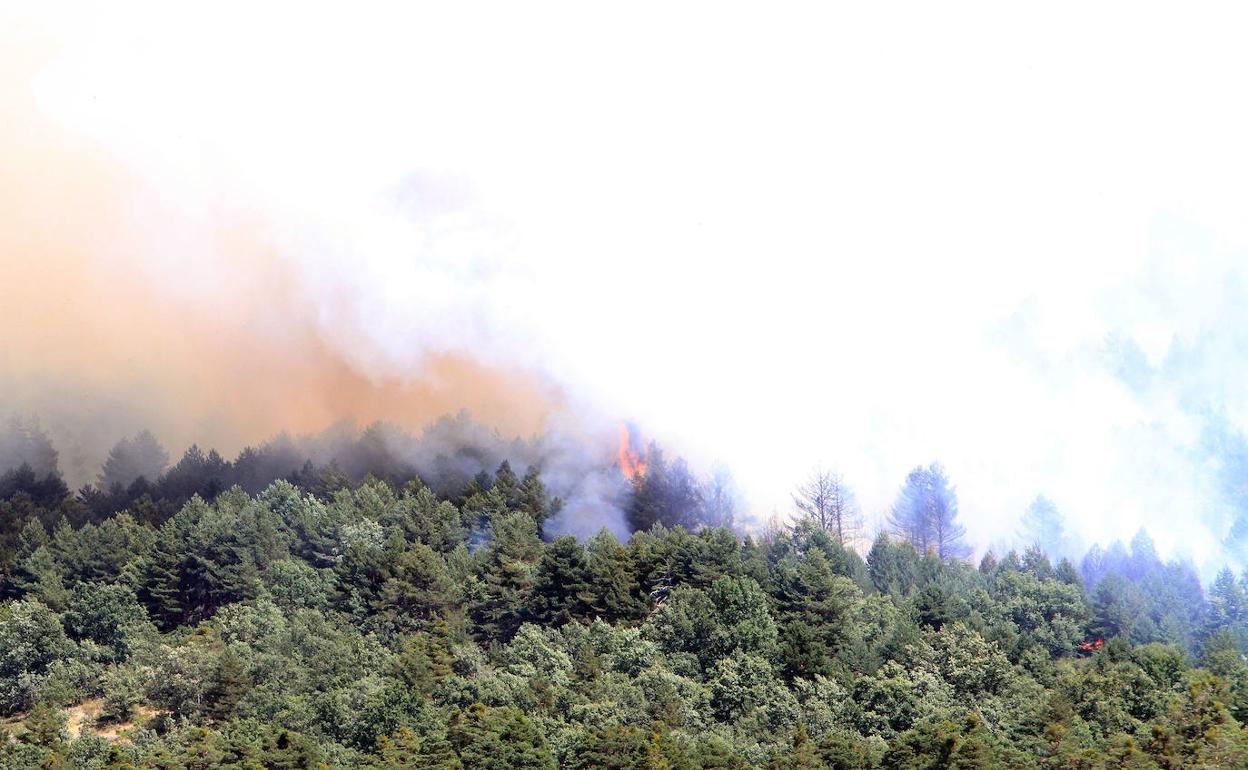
(632, 463)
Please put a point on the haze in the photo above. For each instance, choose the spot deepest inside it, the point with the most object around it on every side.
(787, 245)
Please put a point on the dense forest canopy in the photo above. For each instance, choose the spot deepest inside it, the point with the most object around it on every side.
(344, 604)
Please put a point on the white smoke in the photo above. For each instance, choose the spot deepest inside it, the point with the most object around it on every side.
(858, 237)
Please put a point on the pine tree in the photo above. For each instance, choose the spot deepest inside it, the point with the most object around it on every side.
(509, 566)
(508, 485)
(535, 499)
(26, 443)
(664, 494)
(1042, 527)
(33, 536)
(1067, 573)
(801, 754)
(44, 726)
(117, 760)
(614, 748)
(404, 750)
(288, 751)
(926, 513)
(893, 567)
(418, 585)
(436, 753)
(133, 458)
(228, 686)
(499, 738)
(441, 651)
(1116, 607)
(424, 659)
(160, 580)
(988, 564)
(39, 575)
(720, 499)
(1228, 603)
(561, 590)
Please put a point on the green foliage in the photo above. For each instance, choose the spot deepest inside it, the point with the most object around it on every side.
(498, 739)
(31, 641)
(338, 622)
(508, 577)
(108, 615)
(949, 745)
(404, 750)
(561, 589)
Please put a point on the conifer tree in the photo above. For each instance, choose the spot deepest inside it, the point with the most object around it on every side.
(498, 738)
(160, 580)
(228, 686)
(508, 574)
(613, 581)
(926, 513)
(418, 584)
(827, 500)
(535, 499)
(404, 750)
(801, 754)
(1042, 527)
(561, 590)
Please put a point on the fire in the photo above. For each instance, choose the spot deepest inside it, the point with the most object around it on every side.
(1092, 646)
(632, 463)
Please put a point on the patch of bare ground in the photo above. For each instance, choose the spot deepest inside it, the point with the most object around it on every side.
(85, 716)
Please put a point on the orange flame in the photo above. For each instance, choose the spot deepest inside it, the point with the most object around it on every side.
(632, 463)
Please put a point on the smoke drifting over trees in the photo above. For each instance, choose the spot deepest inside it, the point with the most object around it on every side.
(1042, 527)
(374, 621)
(24, 443)
(131, 459)
(455, 456)
(231, 235)
(830, 503)
(384, 261)
(926, 514)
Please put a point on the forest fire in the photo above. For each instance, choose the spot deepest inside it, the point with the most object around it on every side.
(632, 462)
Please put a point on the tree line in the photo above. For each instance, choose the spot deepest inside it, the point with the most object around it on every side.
(385, 622)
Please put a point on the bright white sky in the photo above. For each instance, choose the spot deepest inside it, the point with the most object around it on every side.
(864, 235)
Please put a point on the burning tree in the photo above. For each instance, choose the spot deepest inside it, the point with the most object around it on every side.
(632, 461)
(666, 494)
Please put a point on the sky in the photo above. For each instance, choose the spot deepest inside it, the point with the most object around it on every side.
(867, 237)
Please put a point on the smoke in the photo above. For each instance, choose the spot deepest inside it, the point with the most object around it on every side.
(861, 240)
(452, 450)
(132, 301)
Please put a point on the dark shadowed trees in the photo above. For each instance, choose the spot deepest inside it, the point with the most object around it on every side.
(666, 493)
(25, 443)
(133, 458)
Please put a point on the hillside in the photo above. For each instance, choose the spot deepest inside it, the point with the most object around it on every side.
(360, 625)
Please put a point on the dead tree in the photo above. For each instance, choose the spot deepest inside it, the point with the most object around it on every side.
(826, 499)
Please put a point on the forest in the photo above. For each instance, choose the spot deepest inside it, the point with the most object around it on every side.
(349, 605)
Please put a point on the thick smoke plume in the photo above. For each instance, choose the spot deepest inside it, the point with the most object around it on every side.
(791, 250)
(124, 309)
